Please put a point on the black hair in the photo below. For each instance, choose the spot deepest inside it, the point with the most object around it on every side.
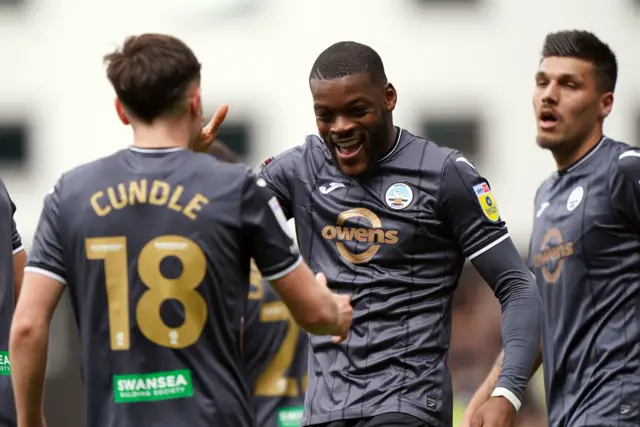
(586, 46)
(345, 59)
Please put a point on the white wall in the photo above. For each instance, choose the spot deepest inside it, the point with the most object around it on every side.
(440, 61)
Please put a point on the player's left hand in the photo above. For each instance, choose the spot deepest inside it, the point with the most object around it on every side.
(497, 412)
(210, 131)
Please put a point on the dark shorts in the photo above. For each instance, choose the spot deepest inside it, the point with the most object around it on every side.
(394, 419)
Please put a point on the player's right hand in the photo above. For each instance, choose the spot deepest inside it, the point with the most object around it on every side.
(345, 311)
(496, 412)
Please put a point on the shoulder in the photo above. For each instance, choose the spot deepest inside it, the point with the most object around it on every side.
(434, 155)
(312, 149)
(622, 159)
(429, 158)
(209, 166)
(75, 180)
(623, 155)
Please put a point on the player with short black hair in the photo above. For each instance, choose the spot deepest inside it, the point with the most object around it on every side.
(12, 261)
(274, 348)
(584, 250)
(587, 47)
(154, 244)
(390, 218)
(346, 58)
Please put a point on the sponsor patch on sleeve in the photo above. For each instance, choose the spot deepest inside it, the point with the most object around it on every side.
(487, 202)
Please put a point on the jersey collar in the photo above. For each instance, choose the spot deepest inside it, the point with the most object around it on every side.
(395, 146)
(586, 157)
(155, 150)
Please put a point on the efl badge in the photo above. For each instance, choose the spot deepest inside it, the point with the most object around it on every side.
(487, 202)
(264, 163)
(398, 196)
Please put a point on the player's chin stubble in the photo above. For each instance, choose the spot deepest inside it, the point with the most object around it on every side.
(549, 143)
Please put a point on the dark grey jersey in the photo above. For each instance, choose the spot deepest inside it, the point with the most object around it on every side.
(396, 242)
(155, 247)
(275, 353)
(585, 253)
(10, 244)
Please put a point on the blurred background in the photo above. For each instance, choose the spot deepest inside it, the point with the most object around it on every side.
(463, 70)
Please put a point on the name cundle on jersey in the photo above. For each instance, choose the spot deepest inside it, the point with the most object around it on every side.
(158, 193)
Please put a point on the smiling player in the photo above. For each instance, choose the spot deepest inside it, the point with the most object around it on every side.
(390, 218)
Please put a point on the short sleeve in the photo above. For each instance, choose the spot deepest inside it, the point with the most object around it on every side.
(46, 255)
(624, 182)
(266, 231)
(469, 208)
(279, 172)
(16, 239)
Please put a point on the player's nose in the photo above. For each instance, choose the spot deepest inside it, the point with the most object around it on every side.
(550, 94)
(342, 126)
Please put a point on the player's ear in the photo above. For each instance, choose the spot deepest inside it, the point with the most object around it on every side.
(390, 97)
(195, 103)
(121, 113)
(606, 104)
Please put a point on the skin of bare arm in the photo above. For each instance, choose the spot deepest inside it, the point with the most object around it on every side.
(482, 395)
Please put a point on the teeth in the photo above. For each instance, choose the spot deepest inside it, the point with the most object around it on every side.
(347, 144)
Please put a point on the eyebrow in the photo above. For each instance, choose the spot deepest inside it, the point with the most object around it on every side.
(563, 75)
(349, 104)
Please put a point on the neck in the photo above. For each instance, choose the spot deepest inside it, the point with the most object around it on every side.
(392, 136)
(565, 159)
(161, 135)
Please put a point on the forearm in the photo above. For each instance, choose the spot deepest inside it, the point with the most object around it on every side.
(512, 283)
(521, 318)
(484, 391)
(19, 261)
(487, 387)
(311, 304)
(28, 355)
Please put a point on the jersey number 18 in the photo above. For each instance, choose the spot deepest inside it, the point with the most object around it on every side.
(113, 251)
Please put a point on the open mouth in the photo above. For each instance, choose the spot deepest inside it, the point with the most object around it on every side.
(348, 148)
(548, 119)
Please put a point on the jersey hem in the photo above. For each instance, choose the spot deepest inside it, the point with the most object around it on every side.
(18, 249)
(284, 272)
(372, 411)
(47, 273)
